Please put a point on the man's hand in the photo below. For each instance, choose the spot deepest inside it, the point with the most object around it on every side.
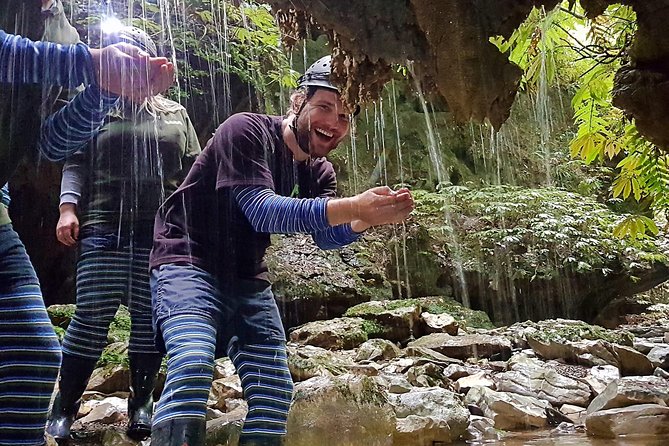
(67, 228)
(376, 206)
(127, 71)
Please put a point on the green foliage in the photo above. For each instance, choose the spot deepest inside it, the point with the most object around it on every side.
(603, 133)
(538, 47)
(535, 234)
(209, 39)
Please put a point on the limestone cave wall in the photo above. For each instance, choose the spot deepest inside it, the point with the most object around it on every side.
(448, 42)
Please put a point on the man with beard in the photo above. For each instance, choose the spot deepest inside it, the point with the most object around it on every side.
(258, 175)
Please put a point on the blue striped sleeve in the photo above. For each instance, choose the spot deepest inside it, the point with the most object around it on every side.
(276, 214)
(71, 127)
(27, 62)
(336, 237)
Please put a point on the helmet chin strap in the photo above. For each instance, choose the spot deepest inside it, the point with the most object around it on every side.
(293, 127)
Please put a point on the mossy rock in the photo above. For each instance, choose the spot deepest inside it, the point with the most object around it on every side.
(61, 315)
(436, 305)
(119, 329)
(561, 331)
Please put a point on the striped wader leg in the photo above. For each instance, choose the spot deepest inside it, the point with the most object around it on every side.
(142, 338)
(268, 389)
(29, 350)
(190, 341)
(102, 280)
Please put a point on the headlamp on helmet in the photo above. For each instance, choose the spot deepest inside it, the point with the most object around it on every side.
(318, 76)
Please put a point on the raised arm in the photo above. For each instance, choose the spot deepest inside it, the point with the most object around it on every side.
(120, 69)
(26, 62)
(332, 227)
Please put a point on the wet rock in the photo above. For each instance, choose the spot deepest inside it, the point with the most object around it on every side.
(225, 430)
(481, 430)
(465, 346)
(601, 376)
(110, 379)
(648, 420)
(425, 354)
(307, 361)
(426, 375)
(396, 319)
(397, 383)
(593, 353)
(224, 389)
(108, 411)
(322, 405)
(223, 368)
(661, 373)
(118, 437)
(377, 349)
(575, 413)
(509, 410)
(632, 390)
(426, 416)
(335, 334)
(556, 418)
(439, 323)
(480, 379)
(531, 378)
(659, 356)
(464, 316)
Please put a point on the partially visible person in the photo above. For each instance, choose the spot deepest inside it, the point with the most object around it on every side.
(258, 175)
(114, 188)
(29, 350)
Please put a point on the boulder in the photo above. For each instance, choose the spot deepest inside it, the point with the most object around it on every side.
(307, 361)
(335, 334)
(531, 377)
(397, 319)
(466, 346)
(377, 349)
(632, 390)
(509, 411)
(659, 356)
(439, 323)
(642, 420)
(429, 416)
(322, 406)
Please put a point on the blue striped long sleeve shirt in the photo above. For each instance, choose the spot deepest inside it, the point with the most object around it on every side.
(44, 63)
(272, 213)
(23, 61)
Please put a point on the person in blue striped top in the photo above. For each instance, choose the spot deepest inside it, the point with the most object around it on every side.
(258, 175)
(30, 354)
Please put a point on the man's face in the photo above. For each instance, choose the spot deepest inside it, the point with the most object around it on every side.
(323, 122)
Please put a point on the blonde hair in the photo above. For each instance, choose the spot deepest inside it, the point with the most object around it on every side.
(152, 105)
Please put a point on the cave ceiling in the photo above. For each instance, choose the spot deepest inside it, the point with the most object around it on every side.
(447, 42)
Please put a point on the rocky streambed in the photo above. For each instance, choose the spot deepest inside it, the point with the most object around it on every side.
(424, 372)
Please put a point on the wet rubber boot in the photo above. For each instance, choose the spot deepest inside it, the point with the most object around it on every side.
(74, 375)
(179, 432)
(144, 369)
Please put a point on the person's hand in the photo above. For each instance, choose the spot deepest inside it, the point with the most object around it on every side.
(380, 206)
(67, 228)
(127, 71)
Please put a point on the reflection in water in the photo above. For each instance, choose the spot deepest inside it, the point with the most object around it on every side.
(554, 438)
